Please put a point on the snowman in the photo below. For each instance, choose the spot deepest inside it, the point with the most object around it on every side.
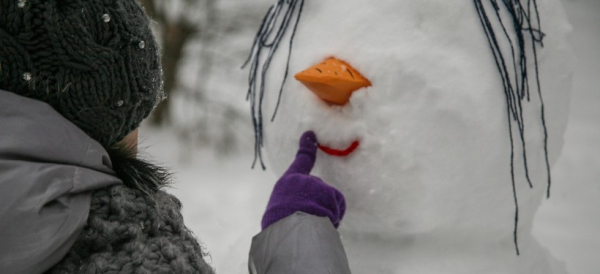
(438, 120)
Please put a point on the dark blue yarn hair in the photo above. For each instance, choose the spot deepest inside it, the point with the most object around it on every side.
(512, 68)
(269, 37)
(525, 22)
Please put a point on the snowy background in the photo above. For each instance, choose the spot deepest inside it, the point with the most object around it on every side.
(224, 199)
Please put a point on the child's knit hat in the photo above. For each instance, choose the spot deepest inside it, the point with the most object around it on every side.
(95, 61)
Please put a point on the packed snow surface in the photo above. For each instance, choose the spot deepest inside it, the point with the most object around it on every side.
(432, 176)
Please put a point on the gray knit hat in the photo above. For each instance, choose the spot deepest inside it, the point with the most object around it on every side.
(95, 61)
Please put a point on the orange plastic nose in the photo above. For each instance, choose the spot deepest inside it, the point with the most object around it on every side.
(333, 80)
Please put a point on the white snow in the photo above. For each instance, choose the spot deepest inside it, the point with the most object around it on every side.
(569, 222)
(223, 199)
(434, 137)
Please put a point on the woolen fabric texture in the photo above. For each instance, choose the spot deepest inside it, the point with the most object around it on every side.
(95, 61)
(135, 227)
(297, 190)
(129, 231)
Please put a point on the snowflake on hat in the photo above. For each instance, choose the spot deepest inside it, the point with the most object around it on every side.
(96, 62)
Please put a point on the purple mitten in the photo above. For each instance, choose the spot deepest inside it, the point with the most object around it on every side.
(297, 190)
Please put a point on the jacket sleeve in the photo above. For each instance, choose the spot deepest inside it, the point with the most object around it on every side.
(301, 243)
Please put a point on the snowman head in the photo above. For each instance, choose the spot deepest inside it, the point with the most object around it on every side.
(428, 121)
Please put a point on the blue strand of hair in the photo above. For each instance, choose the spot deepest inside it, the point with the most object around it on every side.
(268, 39)
(526, 24)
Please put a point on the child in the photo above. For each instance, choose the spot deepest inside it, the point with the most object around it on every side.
(76, 80)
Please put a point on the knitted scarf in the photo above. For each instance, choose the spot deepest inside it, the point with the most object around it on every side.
(135, 227)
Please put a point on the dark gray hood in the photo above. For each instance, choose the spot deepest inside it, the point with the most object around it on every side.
(48, 169)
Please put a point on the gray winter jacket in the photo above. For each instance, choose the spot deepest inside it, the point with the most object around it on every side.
(48, 169)
(299, 244)
(63, 209)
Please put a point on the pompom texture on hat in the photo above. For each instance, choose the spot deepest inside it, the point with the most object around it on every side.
(95, 61)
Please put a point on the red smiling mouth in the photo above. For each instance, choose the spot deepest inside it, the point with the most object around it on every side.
(340, 153)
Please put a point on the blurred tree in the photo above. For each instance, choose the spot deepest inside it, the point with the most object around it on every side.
(179, 22)
(204, 43)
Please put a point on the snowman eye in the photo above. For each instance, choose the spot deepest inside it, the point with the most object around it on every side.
(333, 80)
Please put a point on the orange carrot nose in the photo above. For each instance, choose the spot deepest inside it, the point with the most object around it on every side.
(333, 80)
